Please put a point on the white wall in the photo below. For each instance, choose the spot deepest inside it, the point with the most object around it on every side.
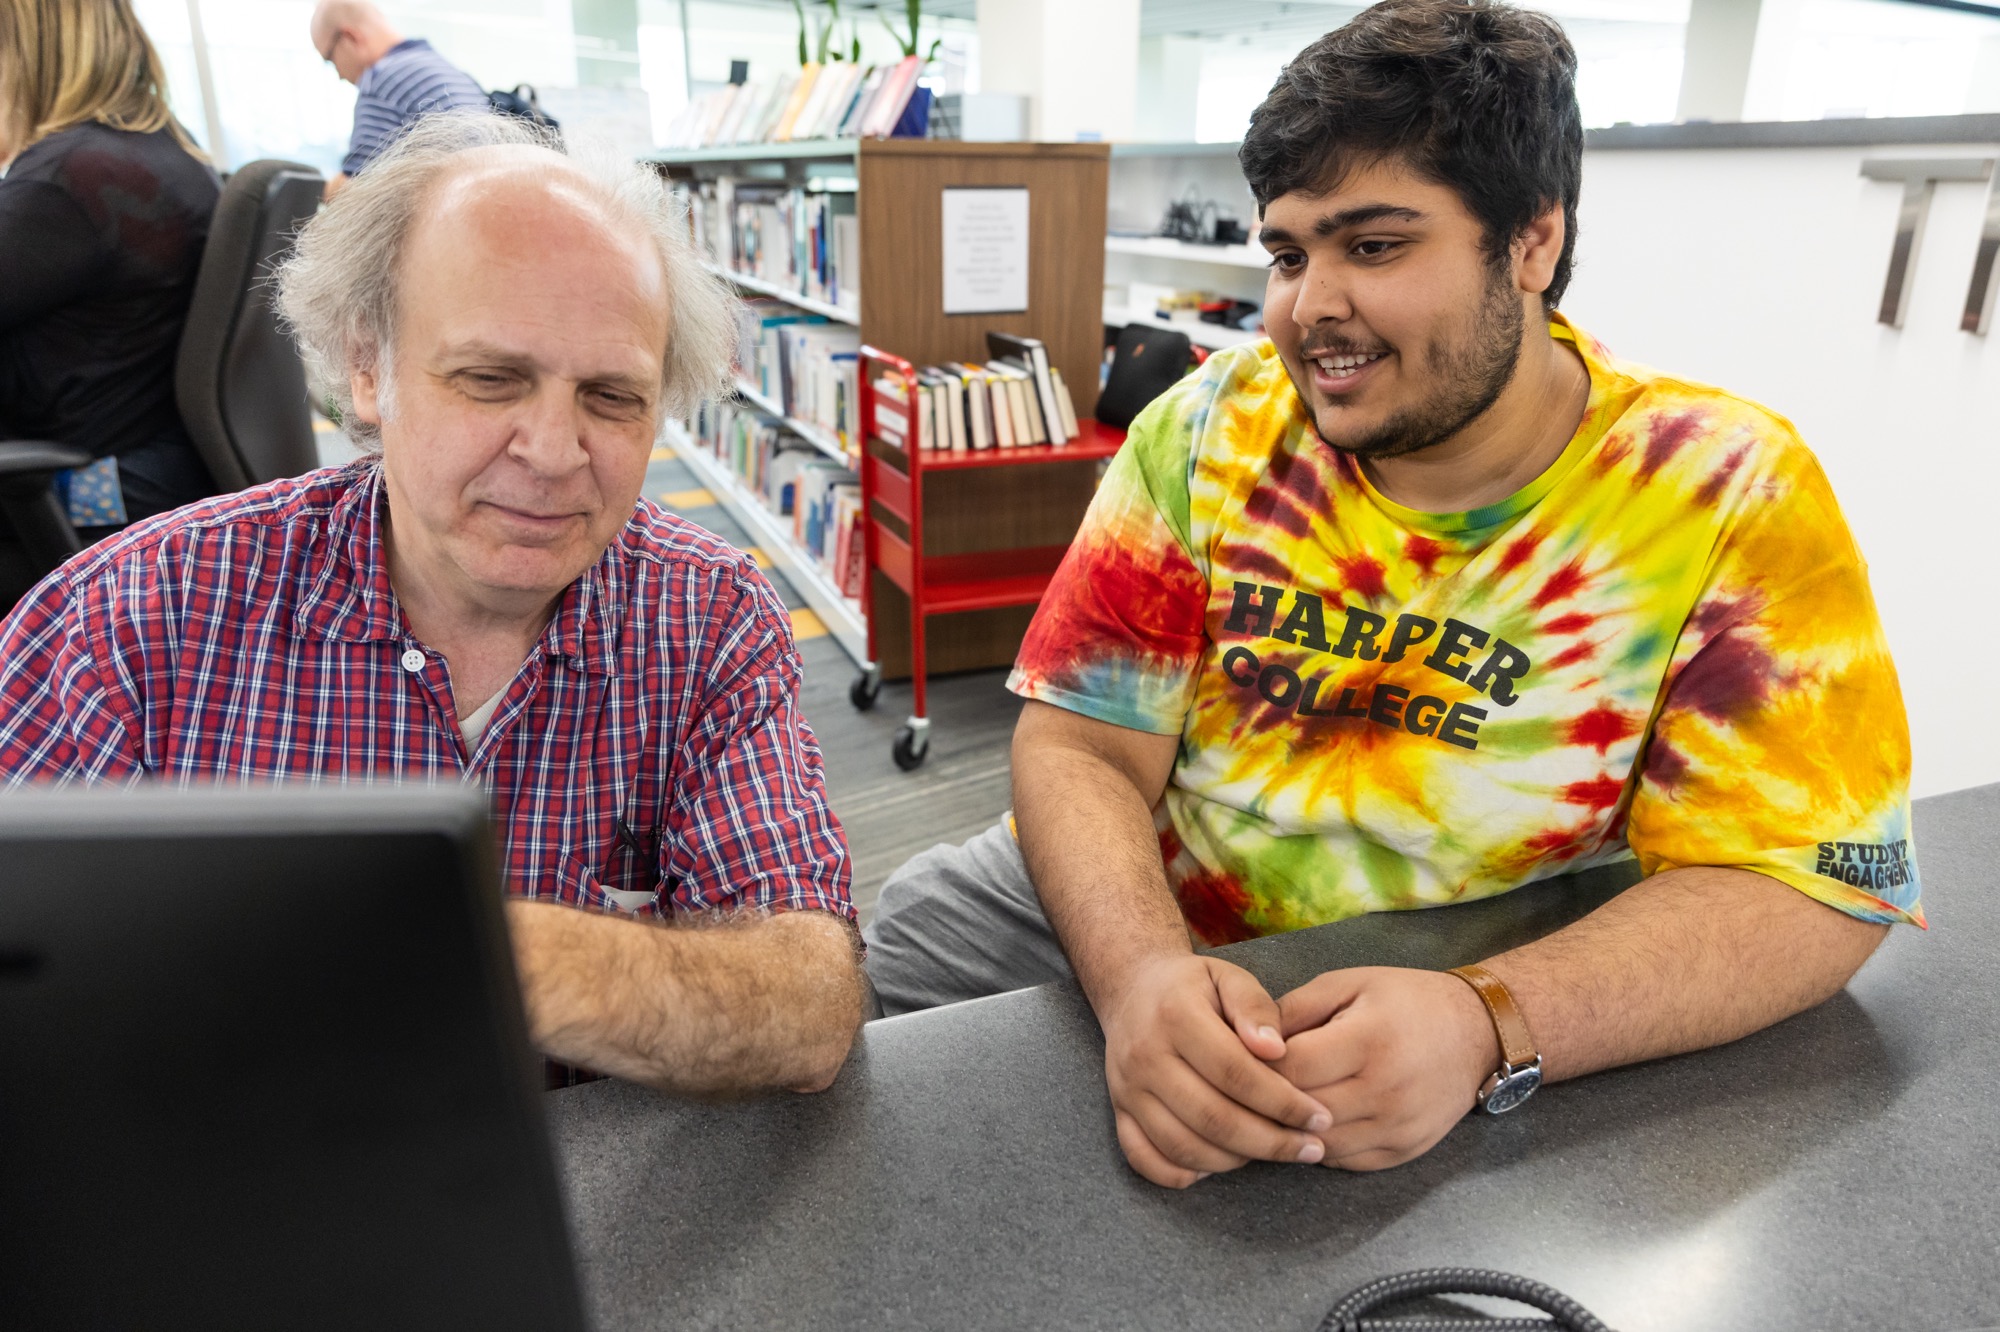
(1169, 81)
(1076, 61)
(1761, 270)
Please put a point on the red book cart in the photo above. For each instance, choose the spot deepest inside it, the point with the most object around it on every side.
(892, 483)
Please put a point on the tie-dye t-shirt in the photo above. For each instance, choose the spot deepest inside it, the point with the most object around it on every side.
(1663, 646)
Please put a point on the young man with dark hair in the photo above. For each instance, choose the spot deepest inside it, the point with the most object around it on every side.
(1425, 599)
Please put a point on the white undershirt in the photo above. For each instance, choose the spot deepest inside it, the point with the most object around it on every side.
(474, 725)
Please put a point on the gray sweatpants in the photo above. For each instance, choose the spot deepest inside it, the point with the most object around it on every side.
(960, 922)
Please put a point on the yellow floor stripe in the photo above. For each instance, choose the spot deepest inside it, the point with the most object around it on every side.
(757, 553)
(662, 455)
(807, 624)
(698, 498)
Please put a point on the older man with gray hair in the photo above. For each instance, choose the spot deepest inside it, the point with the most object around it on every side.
(484, 596)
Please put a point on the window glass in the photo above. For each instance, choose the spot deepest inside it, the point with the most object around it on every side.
(1628, 56)
(1876, 58)
(275, 96)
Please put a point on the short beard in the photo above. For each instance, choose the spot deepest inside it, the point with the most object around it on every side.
(1470, 378)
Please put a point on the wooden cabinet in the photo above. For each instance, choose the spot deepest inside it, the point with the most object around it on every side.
(900, 186)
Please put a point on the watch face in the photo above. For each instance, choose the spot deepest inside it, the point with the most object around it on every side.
(1513, 1089)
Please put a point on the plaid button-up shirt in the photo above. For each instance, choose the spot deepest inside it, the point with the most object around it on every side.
(649, 756)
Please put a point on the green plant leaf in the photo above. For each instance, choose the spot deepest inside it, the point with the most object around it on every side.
(907, 47)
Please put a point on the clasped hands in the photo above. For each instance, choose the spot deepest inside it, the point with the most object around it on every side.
(1362, 1068)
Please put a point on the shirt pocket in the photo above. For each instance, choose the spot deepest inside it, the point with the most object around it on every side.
(632, 891)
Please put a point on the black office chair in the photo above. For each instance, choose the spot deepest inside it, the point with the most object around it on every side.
(237, 378)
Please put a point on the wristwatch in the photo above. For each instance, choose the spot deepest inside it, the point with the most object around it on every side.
(1520, 1070)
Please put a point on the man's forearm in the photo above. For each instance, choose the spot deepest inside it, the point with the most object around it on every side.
(730, 1008)
(1188, 1039)
(1088, 838)
(1688, 959)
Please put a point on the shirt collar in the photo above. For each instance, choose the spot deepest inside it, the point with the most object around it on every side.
(349, 598)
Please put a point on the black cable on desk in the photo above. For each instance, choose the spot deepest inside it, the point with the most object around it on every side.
(1361, 1310)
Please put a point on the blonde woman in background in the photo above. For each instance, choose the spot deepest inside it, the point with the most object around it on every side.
(104, 209)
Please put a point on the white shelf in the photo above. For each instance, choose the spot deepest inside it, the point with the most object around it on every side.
(756, 152)
(841, 616)
(839, 314)
(1176, 149)
(1160, 247)
(818, 436)
(1212, 336)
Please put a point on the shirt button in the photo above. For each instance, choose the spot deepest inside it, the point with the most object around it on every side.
(413, 661)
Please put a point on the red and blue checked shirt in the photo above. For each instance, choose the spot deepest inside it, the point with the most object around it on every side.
(650, 747)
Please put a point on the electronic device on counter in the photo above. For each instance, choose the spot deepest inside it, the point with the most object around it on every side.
(263, 1064)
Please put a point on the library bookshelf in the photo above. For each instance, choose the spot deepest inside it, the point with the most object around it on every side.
(841, 615)
(969, 510)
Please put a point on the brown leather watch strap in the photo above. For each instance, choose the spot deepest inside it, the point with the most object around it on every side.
(1517, 1047)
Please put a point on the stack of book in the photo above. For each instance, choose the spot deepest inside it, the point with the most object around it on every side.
(836, 100)
(1014, 400)
(808, 242)
(815, 377)
(820, 497)
(802, 363)
(826, 522)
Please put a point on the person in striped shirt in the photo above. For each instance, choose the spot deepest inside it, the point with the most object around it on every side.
(399, 79)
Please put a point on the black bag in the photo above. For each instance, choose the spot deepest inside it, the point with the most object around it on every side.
(528, 107)
(1147, 363)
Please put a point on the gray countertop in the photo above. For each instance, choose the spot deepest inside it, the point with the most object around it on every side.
(1836, 1171)
(1843, 132)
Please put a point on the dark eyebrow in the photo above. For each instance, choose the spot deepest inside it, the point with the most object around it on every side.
(1335, 223)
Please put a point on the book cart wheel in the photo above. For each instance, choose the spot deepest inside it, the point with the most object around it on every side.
(913, 744)
(867, 687)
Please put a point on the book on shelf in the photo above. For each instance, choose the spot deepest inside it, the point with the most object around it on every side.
(801, 92)
(1065, 404)
(889, 104)
(948, 406)
(837, 100)
(959, 406)
(1000, 403)
(977, 405)
(899, 420)
(816, 376)
(799, 240)
(1023, 408)
(1034, 358)
(832, 91)
(857, 111)
(709, 114)
(841, 106)
(850, 556)
(815, 498)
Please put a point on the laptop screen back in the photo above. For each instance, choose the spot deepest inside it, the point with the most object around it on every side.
(263, 1064)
